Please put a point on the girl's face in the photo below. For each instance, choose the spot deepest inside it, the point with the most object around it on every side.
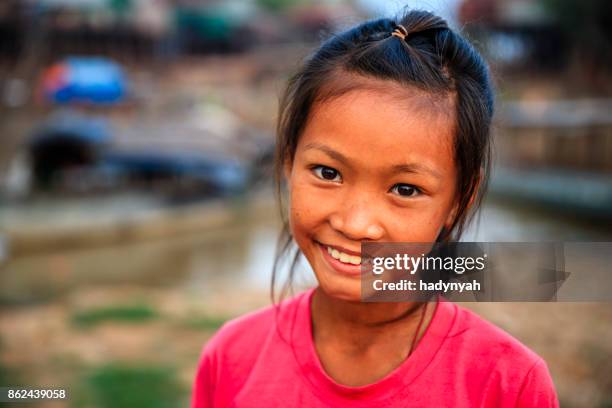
(369, 167)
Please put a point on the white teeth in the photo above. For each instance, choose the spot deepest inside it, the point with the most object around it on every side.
(343, 257)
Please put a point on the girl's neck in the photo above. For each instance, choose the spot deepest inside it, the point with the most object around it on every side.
(363, 325)
(348, 336)
(362, 315)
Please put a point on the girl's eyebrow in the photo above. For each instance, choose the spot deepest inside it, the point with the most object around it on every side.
(415, 168)
(398, 168)
(329, 151)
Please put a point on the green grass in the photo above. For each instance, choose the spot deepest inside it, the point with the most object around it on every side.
(211, 323)
(6, 378)
(120, 385)
(136, 313)
(121, 313)
(606, 403)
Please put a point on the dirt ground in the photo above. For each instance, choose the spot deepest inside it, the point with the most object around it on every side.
(43, 345)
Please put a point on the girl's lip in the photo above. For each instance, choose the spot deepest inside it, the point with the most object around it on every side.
(341, 249)
(337, 265)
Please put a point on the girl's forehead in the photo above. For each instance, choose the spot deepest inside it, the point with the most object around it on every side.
(343, 84)
(371, 122)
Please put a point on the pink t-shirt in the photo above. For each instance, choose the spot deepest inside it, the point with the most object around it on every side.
(268, 359)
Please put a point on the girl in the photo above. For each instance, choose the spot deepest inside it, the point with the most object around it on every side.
(383, 136)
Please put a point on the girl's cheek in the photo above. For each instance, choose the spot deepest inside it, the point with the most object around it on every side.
(309, 208)
(299, 209)
(418, 224)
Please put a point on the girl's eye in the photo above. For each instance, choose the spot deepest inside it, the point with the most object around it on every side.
(405, 190)
(326, 173)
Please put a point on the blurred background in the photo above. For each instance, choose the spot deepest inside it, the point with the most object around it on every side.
(136, 197)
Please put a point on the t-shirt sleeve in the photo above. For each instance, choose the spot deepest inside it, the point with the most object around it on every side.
(538, 389)
(203, 389)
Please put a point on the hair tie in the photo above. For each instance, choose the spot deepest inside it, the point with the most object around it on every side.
(400, 32)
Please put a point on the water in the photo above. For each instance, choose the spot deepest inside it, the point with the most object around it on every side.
(235, 252)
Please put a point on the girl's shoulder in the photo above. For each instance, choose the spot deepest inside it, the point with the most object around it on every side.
(480, 332)
(228, 358)
(495, 350)
(247, 333)
(503, 357)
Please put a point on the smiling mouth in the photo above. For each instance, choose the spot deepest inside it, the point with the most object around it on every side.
(342, 256)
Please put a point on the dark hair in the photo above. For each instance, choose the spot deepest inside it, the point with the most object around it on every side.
(431, 58)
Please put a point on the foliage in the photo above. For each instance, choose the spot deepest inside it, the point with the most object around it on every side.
(132, 386)
(125, 313)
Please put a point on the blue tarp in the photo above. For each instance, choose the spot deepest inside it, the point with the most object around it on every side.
(80, 79)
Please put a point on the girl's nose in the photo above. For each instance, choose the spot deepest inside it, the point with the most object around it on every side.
(358, 221)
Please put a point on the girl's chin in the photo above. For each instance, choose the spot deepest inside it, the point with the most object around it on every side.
(347, 293)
